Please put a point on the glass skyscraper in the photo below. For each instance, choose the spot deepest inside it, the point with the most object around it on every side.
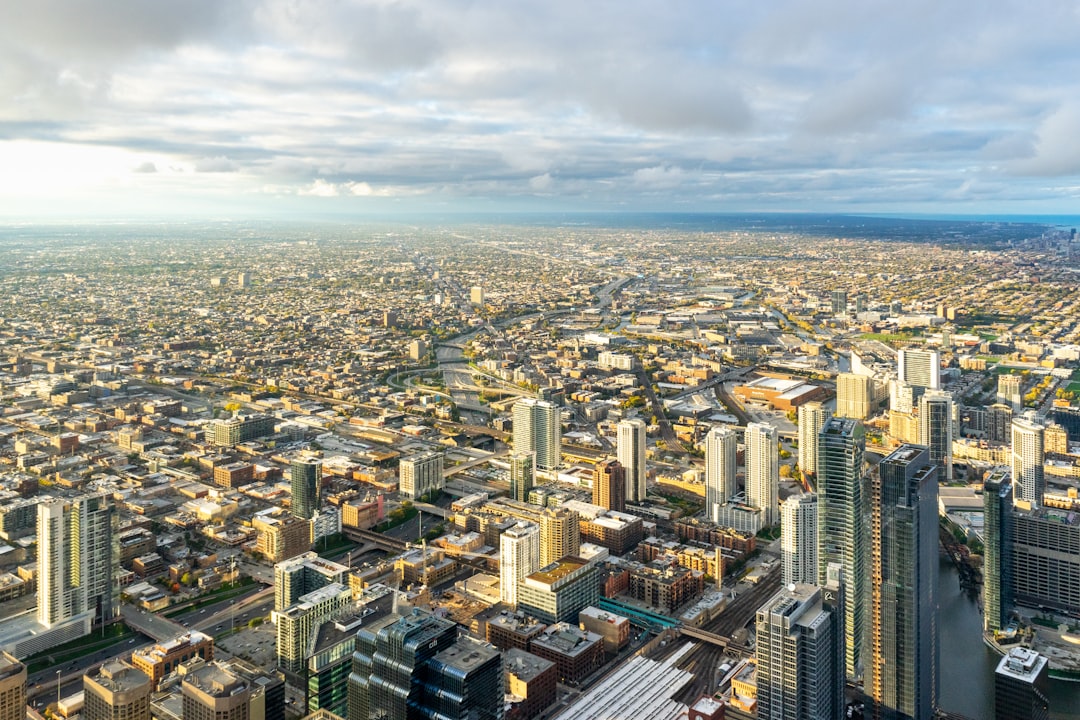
(306, 476)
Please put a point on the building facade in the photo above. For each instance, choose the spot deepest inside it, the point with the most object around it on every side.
(522, 475)
(920, 368)
(997, 568)
(936, 429)
(763, 470)
(1027, 460)
(609, 485)
(799, 539)
(519, 556)
(305, 475)
(812, 417)
(538, 429)
(630, 450)
(721, 466)
(420, 474)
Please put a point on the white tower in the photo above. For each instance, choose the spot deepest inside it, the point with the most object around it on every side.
(763, 470)
(812, 417)
(799, 539)
(721, 465)
(1027, 459)
(519, 556)
(631, 454)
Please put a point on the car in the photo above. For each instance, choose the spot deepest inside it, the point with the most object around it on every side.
(131, 642)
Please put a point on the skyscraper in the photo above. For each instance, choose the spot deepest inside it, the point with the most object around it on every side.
(296, 577)
(306, 477)
(853, 396)
(839, 302)
(721, 465)
(903, 655)
(800, 653)
(298, 622)
(630, 450)
(920, 368)
(212, 692)
(519, 555)
(117, 691)
(763, 470)
(936, 429)
(799, 540)
(609, 485)
(538, 429)
(841, 525)
(812, 417)
(522, 475)
(997, 582)
(1027, 460)
(78, 558)
(1009, 392)
(1021, 685)
(420, 474)
(560, 535)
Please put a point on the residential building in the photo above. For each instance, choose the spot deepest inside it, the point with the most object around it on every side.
(800, 653)
(609, 485)
(812, 417)
(919, 368)
(997, 533)
(163, 658)
(799, 539)
(212, 692)
(305, 573)
(1009, 392)
(936, 429)
(522, 475)
(841, 524)
(853, 396)
(281, 536)
(538, 429)
(12, 688)
(1027, 460)
(420, 474)
(306, 481)
(117, 691)
(721, 466)
(763, 470)
(838, 299)
(519, 556)
(902, 647)
(558, 592)
(1021, 686)
(630, 450)
(531, 683)
(296, 623)
(576, 653)
(560, 535)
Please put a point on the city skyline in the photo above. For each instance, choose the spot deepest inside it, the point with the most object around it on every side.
(267, 107)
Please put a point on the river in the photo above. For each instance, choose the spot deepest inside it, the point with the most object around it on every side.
(967, 665)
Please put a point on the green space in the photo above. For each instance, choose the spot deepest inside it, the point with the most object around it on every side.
(688, 507)
(335, 545)
(397, 516)
(886, 337)
(113, 634)
(1073, 387)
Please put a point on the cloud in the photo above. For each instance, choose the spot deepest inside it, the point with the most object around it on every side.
(218, 164)
(1056, 146)
(145, 168)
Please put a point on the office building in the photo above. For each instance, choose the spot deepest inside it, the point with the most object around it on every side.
(1021, 686)
(1043, 557)
(721, 465)
(799, 540)
(999, 419)
(841, 524)
(853, 396)
(558, 592)
(576, 653)
(560, 535)
(212, 692)
(329, 663)
(306, 481)
(936, 430)
(117, 691)
(1009, 392)
(78, 559)
(160, 659)
(997, 567)
(839, 302)
(296, 623)
(476, 295)
(800, 653)
(763, 470)
(902, 646)
(920, 368)
(812, 417)
(305, 573)
(519, 555)
(415, 666)
(1027, 460)
(538, 429)
(281, 535)
(12, 688)
(630, 450)
(420, 474)
(522, 475)
(609, 485)
(531, 683)
(240, 428)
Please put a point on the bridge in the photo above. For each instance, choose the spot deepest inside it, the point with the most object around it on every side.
(383, 542)
(641, 618)
(725, 643)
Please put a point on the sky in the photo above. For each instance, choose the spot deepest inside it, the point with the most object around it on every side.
(123, 108)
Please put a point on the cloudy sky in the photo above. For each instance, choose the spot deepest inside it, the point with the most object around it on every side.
(142, 107)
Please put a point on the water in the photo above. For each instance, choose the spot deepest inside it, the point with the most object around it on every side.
(967, 665)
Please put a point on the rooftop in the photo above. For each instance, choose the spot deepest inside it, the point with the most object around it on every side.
(557, 570)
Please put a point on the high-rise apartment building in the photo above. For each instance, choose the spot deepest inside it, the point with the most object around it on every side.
(838, 300)
(78, 559)
(538, 429)
(997, 524)
(519, 555)
(630, 450)
(12, 688)
(1009, 392)
(305, 475)
(800, 653)
(609, 485)
(420, 474)
(902, 645)
(841, 524)
(522, 475)
(296, 623)
(854, 394)
(1021, 686)
(936, 429)
(117, 691)
(920, 368)
(560, 535)
(296, 577)
(799, 539)
(763, 470)
(901, 396)
(1027, 460)
(812, 417)
(281, 536)
(721, 465)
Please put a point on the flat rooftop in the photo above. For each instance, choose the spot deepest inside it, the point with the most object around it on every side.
(558, 570)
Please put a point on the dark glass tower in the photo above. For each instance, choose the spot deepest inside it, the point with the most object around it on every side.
(306, 476)
(997, 581)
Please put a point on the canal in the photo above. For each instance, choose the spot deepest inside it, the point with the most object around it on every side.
(967, 665)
